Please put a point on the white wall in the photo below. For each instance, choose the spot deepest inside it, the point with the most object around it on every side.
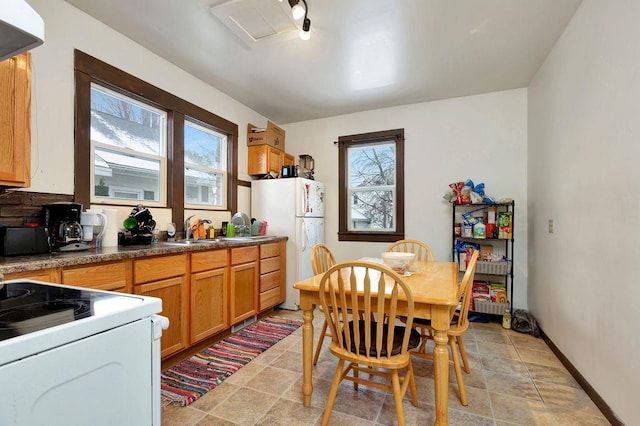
(66, 29)
(482, 138)
(583, 173)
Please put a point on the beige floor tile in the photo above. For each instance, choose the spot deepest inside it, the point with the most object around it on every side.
(423, 414)
(521, 411)
(459, 418)
(487, 326)
(498, 349)
(558, 375)
(540, 357)
(491, 337)
(364, 403)
(211, 420)
(245, 374)
(289, 413)
(288, 360)
(504, 365)
(341, 419)
(245, 406)
(215, 396)
(267, 357)
(568, 398)
(522, 387)
(318, 397)
(521, 340)
(272, 380)
(576, 418)
(173, 415)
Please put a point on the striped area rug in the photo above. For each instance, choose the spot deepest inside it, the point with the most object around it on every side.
(190, 379)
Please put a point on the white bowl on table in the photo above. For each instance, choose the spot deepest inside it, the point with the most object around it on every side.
(399, 261)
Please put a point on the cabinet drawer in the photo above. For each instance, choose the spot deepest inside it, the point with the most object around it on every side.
(158, 268)
(269, 250)
(244, 255)
(269, 298)
(48, 275)
(270, 265)
(207, 260)
(269, 281)
(104, 276)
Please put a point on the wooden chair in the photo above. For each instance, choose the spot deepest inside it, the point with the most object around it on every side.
(459, 326)
(378, 349)
(321, 260)
(422, 251)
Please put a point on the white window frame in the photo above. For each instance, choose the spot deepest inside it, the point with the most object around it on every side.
(162, 158)
(222, 170)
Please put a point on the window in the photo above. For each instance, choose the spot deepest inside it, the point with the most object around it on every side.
(129, 149)
(371, 180)
(205, 173)
(137, 144)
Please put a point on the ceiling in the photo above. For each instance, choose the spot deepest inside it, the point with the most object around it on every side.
(362, 55)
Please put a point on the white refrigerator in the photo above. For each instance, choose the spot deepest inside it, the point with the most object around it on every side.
(292, 207)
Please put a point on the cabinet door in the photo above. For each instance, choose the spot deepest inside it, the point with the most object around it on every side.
(244, 291)
(208, 303)
(263, 159)
(173, 292)
(15, 121)
(288, 159)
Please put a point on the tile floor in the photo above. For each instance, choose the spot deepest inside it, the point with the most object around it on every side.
(515, 379)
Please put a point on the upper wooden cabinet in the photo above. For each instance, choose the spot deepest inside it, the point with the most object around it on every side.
(263, 159)
(15, 121)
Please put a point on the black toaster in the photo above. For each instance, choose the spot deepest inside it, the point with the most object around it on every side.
(24, 240)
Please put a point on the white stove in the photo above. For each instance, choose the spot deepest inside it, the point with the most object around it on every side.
(77, 356)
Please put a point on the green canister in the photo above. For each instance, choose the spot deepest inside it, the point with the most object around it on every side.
(231, 230)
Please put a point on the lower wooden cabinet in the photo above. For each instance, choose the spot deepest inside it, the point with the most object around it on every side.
(243, 283)
(208, 295)
(203, 292)
(165, 277)
(172, 291)
(272, 275)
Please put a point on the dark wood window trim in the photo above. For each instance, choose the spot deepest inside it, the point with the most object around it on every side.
(344, 142)
(89, 69)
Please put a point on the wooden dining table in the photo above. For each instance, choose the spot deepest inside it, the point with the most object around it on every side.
(434, 286)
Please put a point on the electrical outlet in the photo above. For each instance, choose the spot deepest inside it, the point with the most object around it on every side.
(551, 226)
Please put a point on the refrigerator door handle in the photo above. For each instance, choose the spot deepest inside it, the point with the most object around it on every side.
(304, 198)
(304, 237)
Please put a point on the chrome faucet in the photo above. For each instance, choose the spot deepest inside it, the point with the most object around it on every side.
(187, 227)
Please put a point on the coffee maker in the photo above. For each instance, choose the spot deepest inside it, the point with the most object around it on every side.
(63, 221)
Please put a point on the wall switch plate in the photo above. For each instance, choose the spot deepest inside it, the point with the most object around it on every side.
(551, 226)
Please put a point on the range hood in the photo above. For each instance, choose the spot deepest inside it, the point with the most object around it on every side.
(21, 28)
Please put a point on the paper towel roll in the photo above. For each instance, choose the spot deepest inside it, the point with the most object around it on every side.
(110, 238)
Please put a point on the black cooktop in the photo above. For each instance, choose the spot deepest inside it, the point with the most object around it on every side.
(26, 307)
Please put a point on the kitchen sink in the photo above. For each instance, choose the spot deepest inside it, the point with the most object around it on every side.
(217, 240)
(189, 242)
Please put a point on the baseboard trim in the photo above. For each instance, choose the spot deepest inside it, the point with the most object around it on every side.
(595, 397)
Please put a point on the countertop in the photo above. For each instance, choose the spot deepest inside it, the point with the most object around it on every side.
(106, 254)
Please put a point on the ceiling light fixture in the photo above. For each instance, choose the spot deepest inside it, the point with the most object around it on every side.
(305, 34)
(298, 11)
